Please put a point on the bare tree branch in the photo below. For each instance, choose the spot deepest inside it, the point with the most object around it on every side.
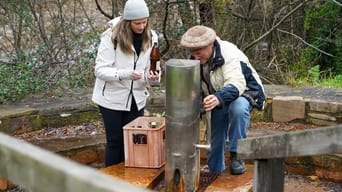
(41, 26)
(338, 3)
(306, 43)
(162, 52)
(275, 26)
(86, 15)
(167, 4)
(102, 11)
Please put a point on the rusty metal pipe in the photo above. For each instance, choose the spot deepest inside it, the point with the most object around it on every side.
(208, 133)
(182, 167)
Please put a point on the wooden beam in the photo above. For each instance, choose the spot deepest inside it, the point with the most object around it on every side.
(318, 141)
(268, 175)
(39, 170)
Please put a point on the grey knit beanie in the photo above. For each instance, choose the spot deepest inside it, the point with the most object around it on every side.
(135, 9)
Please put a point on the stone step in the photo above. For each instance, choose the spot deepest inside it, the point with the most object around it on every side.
(88, 150)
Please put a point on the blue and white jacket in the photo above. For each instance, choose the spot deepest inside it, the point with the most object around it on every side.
(232, 75)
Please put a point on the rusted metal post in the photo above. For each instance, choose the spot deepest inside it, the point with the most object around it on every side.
(182, 168)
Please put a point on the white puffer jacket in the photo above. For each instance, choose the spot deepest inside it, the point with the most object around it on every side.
(109, 90)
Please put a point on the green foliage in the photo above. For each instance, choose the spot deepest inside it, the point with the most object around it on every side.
(313, 75)
(29, 75)
(19, 80)
(332, 82)
(81, 72)
(59, 49)
(323, 28)
(318, 78)
(338, 53)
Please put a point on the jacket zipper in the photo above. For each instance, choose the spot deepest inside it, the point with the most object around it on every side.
(131, 90)
(104, 87)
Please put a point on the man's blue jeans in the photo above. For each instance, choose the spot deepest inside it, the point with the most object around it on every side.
(233, 121)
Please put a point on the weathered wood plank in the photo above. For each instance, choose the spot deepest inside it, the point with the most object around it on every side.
(39, 170)
(268, 175)
(323, 140)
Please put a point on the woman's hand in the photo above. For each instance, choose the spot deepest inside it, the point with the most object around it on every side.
(136, 75)
(153, 76)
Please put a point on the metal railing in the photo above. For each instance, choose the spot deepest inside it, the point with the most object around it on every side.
(269, 152)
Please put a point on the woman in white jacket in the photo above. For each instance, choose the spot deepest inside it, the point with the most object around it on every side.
(122, 74)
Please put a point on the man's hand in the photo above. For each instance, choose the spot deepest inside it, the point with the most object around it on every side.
(210, 102)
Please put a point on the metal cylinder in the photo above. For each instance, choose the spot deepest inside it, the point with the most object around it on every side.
(182, 86)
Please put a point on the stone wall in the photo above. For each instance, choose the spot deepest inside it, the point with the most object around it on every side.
(311, 109)
(297, 108)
